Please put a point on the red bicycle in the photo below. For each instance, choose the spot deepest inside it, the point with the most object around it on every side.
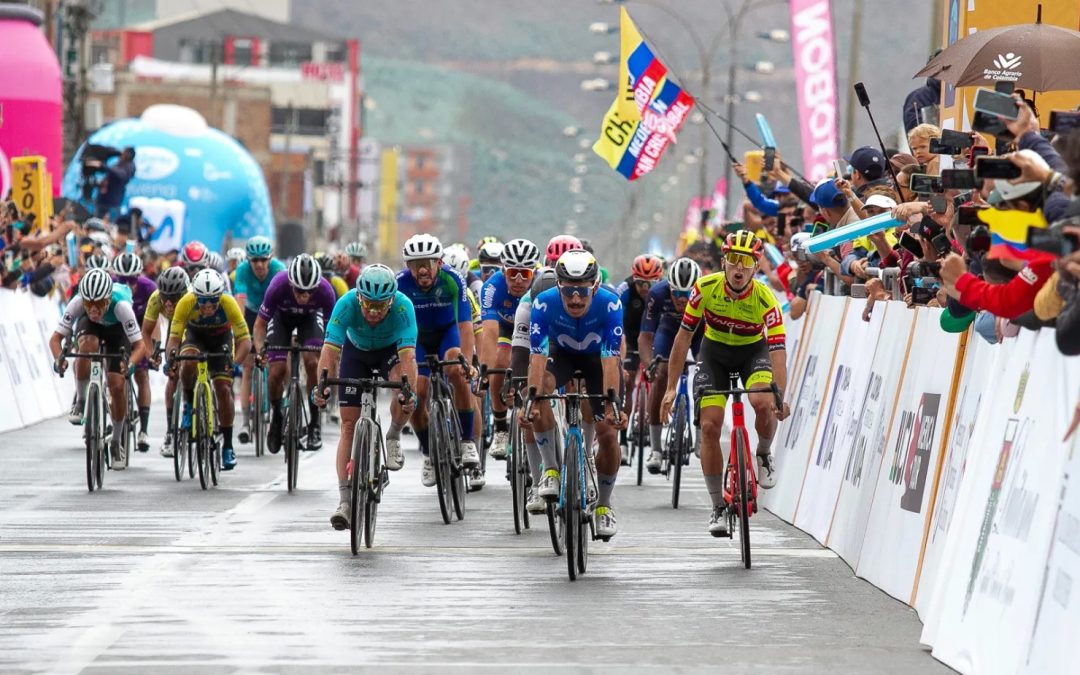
(740, 482)
(637, 435)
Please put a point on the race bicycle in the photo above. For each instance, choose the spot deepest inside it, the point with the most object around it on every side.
(444, 440)
(679, 443)
(96, 418)
(203, 423)
(517, 461)
(637, 434)
(367, 471)
(740, 481)
(295, 406)
(259, 407)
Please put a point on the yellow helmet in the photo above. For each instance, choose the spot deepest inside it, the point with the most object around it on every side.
(743, 241)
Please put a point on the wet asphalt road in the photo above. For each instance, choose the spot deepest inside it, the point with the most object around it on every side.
(153, 576)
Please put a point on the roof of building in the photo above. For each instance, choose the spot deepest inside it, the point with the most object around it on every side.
(232, 22)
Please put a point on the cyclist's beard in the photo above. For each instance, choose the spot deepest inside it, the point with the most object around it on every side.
(424, 281)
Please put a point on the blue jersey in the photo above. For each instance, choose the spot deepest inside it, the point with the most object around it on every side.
(600, 331)
(496, 303)
(397, 329)
(444, 304)
(661, 316)
(246, 283)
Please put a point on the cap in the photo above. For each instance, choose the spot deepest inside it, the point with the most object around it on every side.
(902, 159)
(867, 161)
(826, 195)
(1010, 191)
(881, 201)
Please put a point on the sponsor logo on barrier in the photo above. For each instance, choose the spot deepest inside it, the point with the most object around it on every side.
(804, 405)
(910, 468)
(870, 431)
(835, 416)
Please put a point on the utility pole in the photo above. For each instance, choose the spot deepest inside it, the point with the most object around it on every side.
(76, 25)
(853, 74)
(212, 104)
(286, 173)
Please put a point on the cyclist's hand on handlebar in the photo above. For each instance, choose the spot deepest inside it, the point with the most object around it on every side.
(528, 415)
(667, 404)
(60, 366)
(408, 403)
(783, 413)
(614, 418)
(319, 396)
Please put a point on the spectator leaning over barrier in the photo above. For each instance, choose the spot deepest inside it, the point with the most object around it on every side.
(833, 206)
(867, 170)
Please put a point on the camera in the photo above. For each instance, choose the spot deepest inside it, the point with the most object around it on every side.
(978, 242)
(1052, 240)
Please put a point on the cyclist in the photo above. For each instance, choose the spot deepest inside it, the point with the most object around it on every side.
(98, 261)
(253, 277)
(457, 257)
(233, 257)
(346, 268)
(357, 252)
(498, 303)
(329, 272)
(209, 320)
(371, 333)
(645, 271)
(299, 302)
(559, 244)
(172, 284)
(583, 326)
(444, 329)
(100, 315)
(663, 314)
(193, 257)
(128, 269)
(744, 334)
(488, 260)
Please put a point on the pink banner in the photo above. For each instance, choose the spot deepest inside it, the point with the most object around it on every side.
(815, 82)
(693, 215)
(719, 201)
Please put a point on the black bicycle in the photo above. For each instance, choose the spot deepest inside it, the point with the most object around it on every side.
(295, 407)
(367, 471)
(517, 462)
(444, 440)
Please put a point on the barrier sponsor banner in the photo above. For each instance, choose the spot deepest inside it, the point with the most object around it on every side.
(894, 532)
(29, 390)
(848, 528)
(836, 432)
(1003, 531)
(793, 436)
(10, 416)
(22, 382)
(971, 392)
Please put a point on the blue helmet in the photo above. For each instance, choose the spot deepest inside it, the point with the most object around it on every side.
(259, 247)
(376, 282)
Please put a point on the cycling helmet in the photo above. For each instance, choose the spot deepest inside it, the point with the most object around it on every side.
(520, 253)
(95, 224)
(127, 265)
(648, 267)
(305, 272)
(96, 285)
(173, 281)
(743, 241)
(356, 249)
(326, 262)
(587, 245)
(490, 253)
(577, 266)
(259, 247)
(193, 253)
(376, 282)
(457, 258)
(487, 240)
(214, 261)
(97, 262)
(544, 280)
(560, 244)
(683, 274)
(237, 254)
(422, 247)
(208, 283)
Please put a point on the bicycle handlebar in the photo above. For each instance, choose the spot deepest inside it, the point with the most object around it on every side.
(485, 372)
(610, 397)
(709, 391)
(364, 383)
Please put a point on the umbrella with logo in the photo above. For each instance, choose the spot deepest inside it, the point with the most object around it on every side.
(1036, 56)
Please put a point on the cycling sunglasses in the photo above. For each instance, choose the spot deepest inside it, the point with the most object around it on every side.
(576, 291)
(740, 260)
(488, 270)
(421, 264)
(522, 273)
(207, 299)
(258, 260)
(375, 306)
(680, 295)
(645, 282)
(96, 304)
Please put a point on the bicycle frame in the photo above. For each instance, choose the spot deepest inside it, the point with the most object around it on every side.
(296, 414)
(96, 407)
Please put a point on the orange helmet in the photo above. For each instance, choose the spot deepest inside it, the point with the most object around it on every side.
(648, 267)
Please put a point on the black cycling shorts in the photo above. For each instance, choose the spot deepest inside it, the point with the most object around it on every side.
(217, 346)
(358, 364)
(563, 364)
(112, 338)
(249, 318)
(309, 331)
(717, 362)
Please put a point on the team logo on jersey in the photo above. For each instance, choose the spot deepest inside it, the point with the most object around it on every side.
(617, 331)
(773, 318)
(535, 329)
(614, 306)
(571, 343)
(542, 306)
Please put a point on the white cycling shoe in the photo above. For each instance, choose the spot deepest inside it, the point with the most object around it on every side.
(470, 458)
(653, 462)
(535, 504)
(718, 522)
(766, 471)
(340, 519)
(549, 485)
(499, 441)
(606, 525)
(427, 474)
(167, 446)
(395, 459)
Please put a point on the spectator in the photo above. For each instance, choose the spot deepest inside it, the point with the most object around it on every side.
(919, 142)
(927, 95)
(113, 185)
(867, 170)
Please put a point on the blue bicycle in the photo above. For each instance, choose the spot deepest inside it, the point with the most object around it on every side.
(578, 490)
(679, 442)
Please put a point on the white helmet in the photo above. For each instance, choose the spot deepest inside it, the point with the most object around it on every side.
(236, 253)
(577, 265)
(96, 285)
(208, 284)
(457, 258)
(422, 247)
(214, 261)
(127, 265)
(683, 274)
(305, 273)
(520, 253)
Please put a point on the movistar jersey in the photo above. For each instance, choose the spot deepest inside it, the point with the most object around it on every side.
(600, 331)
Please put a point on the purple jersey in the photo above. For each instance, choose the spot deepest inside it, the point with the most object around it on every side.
(141, 291)
(279, 297)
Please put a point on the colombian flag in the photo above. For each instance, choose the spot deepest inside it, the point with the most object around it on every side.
(1009, 234)
(648, 110)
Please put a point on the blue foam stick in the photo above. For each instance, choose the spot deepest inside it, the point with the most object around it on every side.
(72, 252)
(862, 228)
(774, 254)
(767, 139)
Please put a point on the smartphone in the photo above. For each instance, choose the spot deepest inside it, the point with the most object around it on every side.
(1064, 121)
(969, 215)
(958, 179)
(951, 142)
(1006, 87)
(939, 203)
(925, 183)
(770, 159)
(990, 124)
(995, 167)
(996, 103)
(913, 245)
(1052, 240)
(922, 295)
(838, 168)
(941, 244)
(976, 153)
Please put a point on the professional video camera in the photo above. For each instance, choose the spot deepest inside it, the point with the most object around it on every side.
(93, 161)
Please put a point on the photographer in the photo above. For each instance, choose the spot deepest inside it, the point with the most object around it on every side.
(113, 185)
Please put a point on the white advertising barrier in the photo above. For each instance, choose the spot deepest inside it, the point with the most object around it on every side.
(852, 510)
(805, 393)
(991, 590)
(836, 431)
(900, 512)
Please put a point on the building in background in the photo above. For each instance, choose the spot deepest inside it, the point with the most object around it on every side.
(434, 181)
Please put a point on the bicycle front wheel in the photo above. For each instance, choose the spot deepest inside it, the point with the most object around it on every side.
(374, 477)
(440, 461)
(292, 435)
(358, 486)
(90, 433)
(641, 429)
(202, 437)
(258, 417)
(680, 448)
(179, 448)
(742, 499)
(517, 479)
(571, 511)
(457, 471)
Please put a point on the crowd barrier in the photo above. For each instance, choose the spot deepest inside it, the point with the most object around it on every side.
(934, 465)
(29, 391)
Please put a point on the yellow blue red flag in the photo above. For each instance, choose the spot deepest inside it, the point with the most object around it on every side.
(1009, 234)
(648, 110)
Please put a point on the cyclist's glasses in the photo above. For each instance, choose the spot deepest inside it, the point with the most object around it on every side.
(644, 283)
(740, 260)
(99, 305)
(258, 260)
(488, 270)
(172, 298)
(375, 306)
(680, 295)
(204, 300)
(522, 273)
(299, 293)
(575, 291)
(427, 263)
